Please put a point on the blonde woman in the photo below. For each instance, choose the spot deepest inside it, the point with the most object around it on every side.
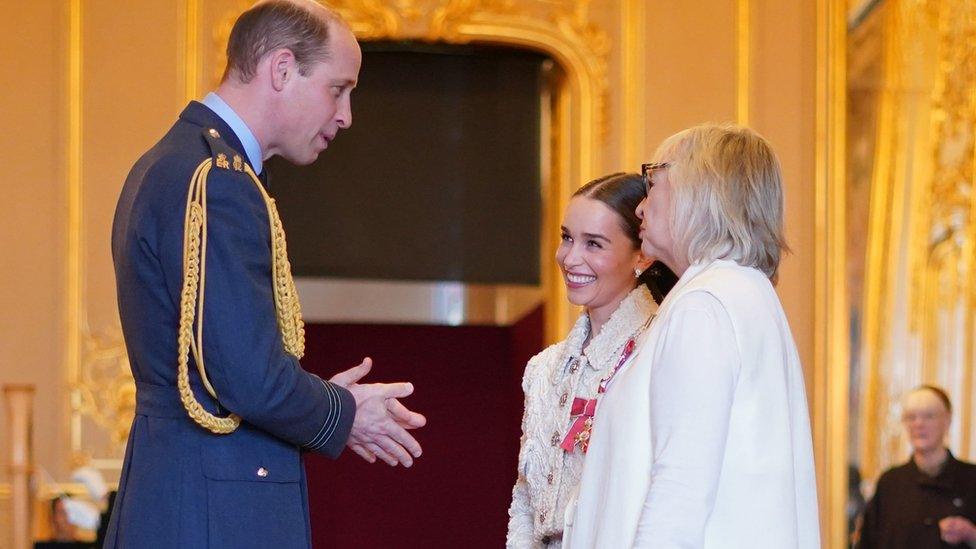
(605, 273)
(703, 440)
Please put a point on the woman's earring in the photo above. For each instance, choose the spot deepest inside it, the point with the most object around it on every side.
(637, 272)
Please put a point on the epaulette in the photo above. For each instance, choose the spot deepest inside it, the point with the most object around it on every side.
(224, 157)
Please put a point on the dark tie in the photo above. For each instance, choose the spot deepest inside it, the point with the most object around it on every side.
(265, 179)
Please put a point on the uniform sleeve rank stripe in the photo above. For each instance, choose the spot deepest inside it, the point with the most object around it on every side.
(332, 409)
(331, 421)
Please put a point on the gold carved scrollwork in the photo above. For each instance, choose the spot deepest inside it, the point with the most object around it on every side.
(105, 391)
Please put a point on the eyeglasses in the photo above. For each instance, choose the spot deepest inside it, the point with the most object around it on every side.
(647, 170)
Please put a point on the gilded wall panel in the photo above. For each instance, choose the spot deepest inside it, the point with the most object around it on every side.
(118, 102)
(918, 279)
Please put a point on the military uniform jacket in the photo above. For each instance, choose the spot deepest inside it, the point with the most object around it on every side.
(908, 505)
(181, 485)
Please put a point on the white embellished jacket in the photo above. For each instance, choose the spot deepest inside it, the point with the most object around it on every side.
(548, 476)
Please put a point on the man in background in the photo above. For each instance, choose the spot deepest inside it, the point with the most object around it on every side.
(929, 502)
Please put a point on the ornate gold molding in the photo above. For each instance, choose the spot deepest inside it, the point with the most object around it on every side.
(105, 388)
(74, 305)
(189, 43)
(882, 252)
(830, 381)
(633, 48)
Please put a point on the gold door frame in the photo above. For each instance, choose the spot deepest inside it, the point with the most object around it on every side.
(829, 402)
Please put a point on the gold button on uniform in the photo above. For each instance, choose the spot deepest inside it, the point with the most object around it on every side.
(550, 478)
(563, 399)
(262, 472)
(555, 439)
(214, 133)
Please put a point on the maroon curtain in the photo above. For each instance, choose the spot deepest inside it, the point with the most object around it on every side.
(467, 382)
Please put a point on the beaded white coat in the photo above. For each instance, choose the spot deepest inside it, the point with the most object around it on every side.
(548, 476)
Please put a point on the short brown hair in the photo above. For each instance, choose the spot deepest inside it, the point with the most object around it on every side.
(274, 25)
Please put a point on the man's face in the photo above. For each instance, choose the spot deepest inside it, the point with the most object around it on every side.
(317, 105)
(926, 420)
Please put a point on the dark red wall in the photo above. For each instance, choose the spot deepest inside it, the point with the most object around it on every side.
(467, 384)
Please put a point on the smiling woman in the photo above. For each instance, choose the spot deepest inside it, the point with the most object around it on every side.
(605, 272)
(597, 259)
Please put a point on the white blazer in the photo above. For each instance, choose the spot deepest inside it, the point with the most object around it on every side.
(703, 440)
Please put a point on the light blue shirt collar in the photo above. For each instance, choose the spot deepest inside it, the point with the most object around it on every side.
(251, 146)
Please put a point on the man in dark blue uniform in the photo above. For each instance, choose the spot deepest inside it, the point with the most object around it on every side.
(209, 311)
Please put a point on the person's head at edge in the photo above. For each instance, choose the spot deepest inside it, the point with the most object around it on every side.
(926, 415)
(599, 252)
(717, 195)
(291, 67)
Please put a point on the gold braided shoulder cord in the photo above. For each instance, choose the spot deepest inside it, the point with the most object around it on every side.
(288, 309)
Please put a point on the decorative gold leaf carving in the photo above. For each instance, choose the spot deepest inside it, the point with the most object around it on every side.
(106, 391)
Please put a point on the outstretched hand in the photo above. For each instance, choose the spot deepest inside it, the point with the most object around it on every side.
(379, 429)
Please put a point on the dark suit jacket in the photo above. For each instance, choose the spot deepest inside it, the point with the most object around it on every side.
(908, 505)
(181, 485)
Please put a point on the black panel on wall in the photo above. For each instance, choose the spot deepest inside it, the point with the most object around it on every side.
(437, 179)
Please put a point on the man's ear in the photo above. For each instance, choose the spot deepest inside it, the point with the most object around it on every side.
(283, 68)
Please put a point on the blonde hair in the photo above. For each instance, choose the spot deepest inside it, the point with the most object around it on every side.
(727, 196)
